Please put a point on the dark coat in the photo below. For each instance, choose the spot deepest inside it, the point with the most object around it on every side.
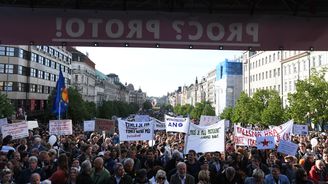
(126, 179)
(176, 180)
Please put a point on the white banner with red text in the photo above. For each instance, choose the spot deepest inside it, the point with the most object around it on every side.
(247, 137)
(60, 127)
(16, 130)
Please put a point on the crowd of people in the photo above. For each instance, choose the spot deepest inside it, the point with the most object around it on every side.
(92, 158)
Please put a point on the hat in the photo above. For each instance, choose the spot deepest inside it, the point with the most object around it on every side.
(101, 154)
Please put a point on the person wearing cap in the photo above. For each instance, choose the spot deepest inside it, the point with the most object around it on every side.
(288, 167)
(276, 176)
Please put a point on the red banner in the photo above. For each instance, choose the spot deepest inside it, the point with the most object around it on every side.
(158, 29)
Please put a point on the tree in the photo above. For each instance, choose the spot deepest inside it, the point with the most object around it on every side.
(243, 109)
(273, 113)
(186, 109)
(199, 110)
(91, 110)
(147, 105)
(208, 110)
(76, 107)
(310, 101)
(227, 113)
(6, 108)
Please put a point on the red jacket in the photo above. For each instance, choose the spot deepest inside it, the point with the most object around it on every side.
(315, 175)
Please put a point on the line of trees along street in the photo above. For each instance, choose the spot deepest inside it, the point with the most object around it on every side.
(308, 103)
(202, 108)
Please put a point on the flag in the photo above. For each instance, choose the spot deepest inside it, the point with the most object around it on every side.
(61, 97)
(266, 142)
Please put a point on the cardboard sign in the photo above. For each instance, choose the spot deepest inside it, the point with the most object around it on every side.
(287, 148)
(17, 130)
(300, 129)
(89, 126)
(32, 124)
(205, 138)
(105, 125)
(265, 142)
(60, 127)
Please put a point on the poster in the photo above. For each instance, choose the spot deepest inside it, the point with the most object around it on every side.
(32, 124)
(265, 142)
(60, 127)
(89, 125)
(105, 125)
(17, 130)
(174, 124)
(135, 131)
(287, 148)
(300, 129)
(208, 120)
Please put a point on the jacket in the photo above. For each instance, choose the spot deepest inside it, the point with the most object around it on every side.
(283, 179)
(175, 179)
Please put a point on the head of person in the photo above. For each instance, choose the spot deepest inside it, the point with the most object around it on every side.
(141, 176)
(6, 176)
(150, 154)
(98, 163)
(275, 171)
(204, 176)
(86, 167)
(230, 173)
(160, 176)
(320, 165)
(182, 169)
(33, 162)
(325, 156)
(73, 173)
(300, 174)
(128, 164)
(35, 178)
(63, 162)
(119, 170)
(258, 175)
(191, 155)
(76, 163)
(302, 147)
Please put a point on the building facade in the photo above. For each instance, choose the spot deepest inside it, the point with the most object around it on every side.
(210, 94)
(83, 75)
(279, 70)
(228, 85)
(28, 74)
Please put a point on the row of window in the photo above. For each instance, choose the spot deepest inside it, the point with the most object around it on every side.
(55, 53)
(32, 72)
(264, 75)
(288, 86)
(24, 87)
(262, 61)
(303, 65)
(274, 87)
(21, 53)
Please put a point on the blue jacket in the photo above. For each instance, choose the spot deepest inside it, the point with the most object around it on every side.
(282, 179)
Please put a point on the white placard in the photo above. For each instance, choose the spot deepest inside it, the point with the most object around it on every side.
(265, 142)
(17, 130)
(89, 125)
(300, 129)
(208, 120)
(174, 124)
(287, 147)
(135, 131)
(3, 121)
(32, 124)
(205, 138)
(159, 125)
(247, 137)
(60, 127)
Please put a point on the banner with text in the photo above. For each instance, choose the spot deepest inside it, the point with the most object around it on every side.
(32, 124)
(174, 124)
(205, 138)
(105, 125)
(89, 125)
(247, 137)
(135, 131)
(17, 130)
(3, 121)
(208, 120)
(141, 118)
(159, 125)
(60, 127)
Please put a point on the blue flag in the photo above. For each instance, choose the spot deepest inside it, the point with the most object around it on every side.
(61, 97)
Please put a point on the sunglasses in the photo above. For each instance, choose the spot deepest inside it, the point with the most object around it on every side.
(161, 178)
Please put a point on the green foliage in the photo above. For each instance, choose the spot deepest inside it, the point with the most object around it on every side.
(310, 101)
(167, 107)
(91, 110)
(147, 105)
(199, 110)
(6, 108)
(273, 113)
(77, 110)
(243, 109)
(227, 113)
(116, 108)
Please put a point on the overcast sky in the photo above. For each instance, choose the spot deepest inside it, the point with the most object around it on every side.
(155, 70)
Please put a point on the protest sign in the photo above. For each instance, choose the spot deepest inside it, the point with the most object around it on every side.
(89, 125)
(300, 129)
(287, 147)
(135, 131)
(106, 125)
(16, 130)
(265, 142)
(247, 137)
(3, 121)
(159, 125)
(174, 124)
(32, 124)
(205, 138)
(60, 127)
(208, 120)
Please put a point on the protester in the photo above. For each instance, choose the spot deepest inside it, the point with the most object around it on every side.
(181, 176)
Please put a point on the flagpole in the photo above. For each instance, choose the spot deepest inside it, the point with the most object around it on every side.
(59, 109)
